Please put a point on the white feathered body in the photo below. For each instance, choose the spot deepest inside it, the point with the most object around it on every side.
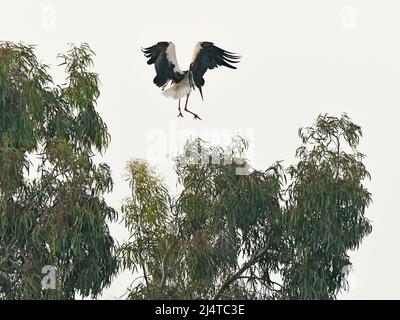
(179, 90)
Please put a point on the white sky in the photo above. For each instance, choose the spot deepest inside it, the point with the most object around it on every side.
(300, 58)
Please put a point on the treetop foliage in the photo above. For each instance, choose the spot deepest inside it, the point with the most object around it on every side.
(58, 217)
(271, 234)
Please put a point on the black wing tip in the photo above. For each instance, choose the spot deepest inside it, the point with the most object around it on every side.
(231, 55)
(160, 43)
(228, 60)
(146, 52)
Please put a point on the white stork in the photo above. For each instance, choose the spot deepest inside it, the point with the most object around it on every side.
(205, 56)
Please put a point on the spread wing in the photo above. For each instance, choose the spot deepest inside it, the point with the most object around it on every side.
(207, 56)
(163, 56)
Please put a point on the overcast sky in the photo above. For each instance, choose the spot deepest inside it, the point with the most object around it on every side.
(300, 59)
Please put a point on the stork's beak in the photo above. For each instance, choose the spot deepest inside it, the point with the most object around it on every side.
(201, 93)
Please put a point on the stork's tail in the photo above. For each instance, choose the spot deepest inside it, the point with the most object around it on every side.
(177, 91)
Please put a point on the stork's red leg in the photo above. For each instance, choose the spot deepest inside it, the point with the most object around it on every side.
(186, 109)
(179, 109)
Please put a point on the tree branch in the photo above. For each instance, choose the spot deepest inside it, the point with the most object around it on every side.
(236, 275)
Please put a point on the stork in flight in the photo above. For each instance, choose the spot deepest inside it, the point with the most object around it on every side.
(205, 56)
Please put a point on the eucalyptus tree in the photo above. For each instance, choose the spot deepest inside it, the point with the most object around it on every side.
(249, 234)
(325, 213)
(52, 212)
